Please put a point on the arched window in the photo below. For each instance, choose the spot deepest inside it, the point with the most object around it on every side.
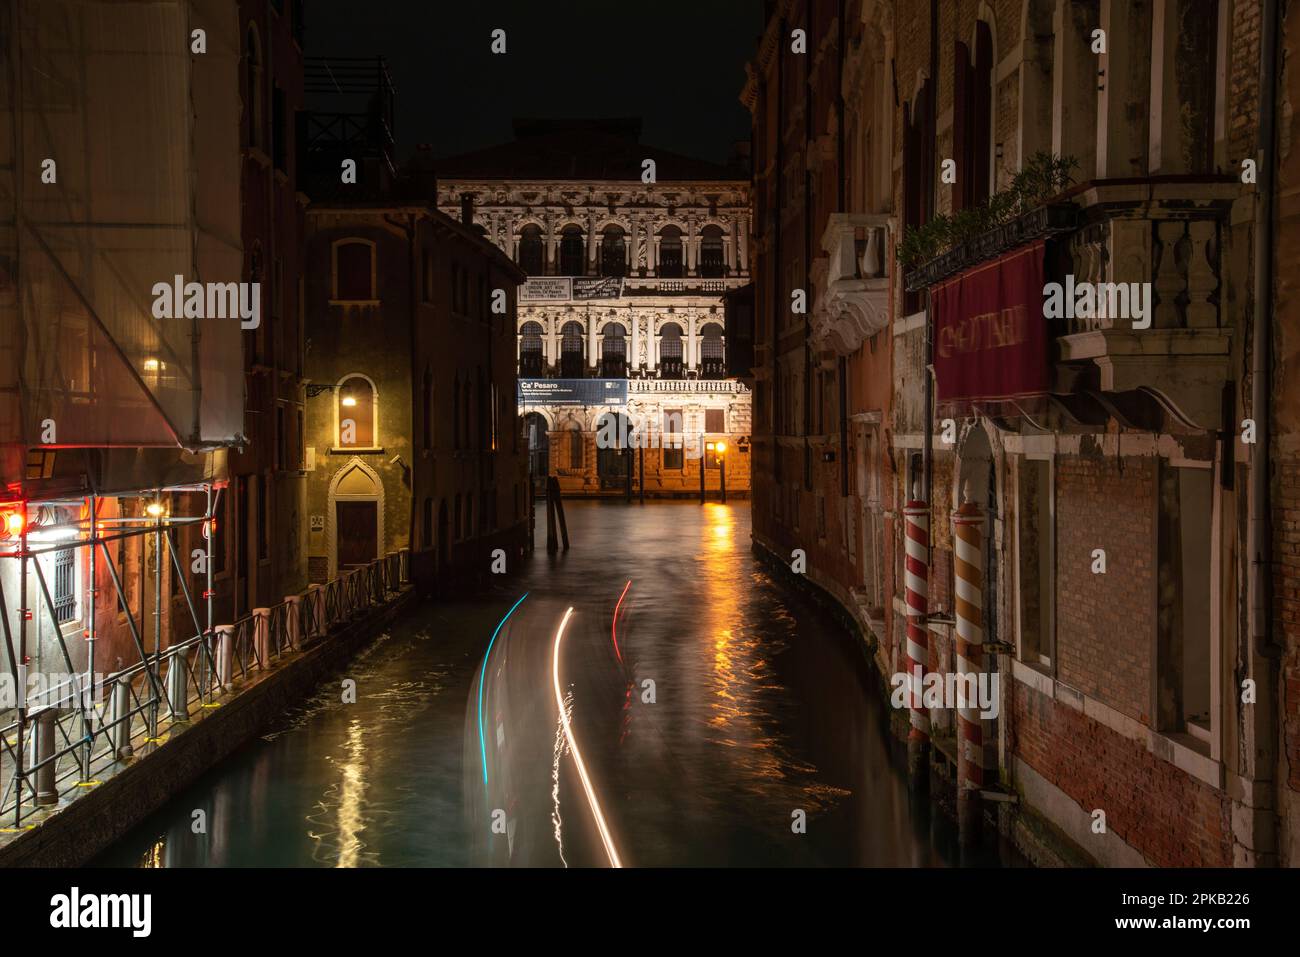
(670, 351)
(712, 358)
(572, 253)
(712, 265)
(466, 401)
(354, 270)
(253, 83)
(532, 256)
(575, 445)
(455, 419)
(613, 252)
(427, 399)
(613, 352)
(670, 252)
(972, 118)
(356, 413)
(530, 349)
(571, 350)
(918, 171)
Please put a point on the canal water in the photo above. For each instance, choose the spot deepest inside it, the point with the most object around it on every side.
(720, 720)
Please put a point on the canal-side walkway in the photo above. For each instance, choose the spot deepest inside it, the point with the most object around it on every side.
(241, 704)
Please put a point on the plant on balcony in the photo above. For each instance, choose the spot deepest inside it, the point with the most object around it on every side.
(1042, 177)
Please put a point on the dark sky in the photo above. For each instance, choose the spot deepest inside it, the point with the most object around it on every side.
(678, 64)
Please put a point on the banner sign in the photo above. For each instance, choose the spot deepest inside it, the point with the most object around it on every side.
(610, 287)
(572, 392)
(990, 338)
(560, 288)
(545, 287)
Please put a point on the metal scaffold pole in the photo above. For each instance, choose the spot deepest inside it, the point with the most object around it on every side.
(92, 503)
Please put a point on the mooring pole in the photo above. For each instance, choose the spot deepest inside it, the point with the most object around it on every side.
(916, 659)
(967, 524)
(702, 465)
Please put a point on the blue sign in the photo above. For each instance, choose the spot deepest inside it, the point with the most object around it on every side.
(572, 392)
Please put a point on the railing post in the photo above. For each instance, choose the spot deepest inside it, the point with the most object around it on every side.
(226, 656)
(316, 595)
(293, 624)
(178, 685)
(262, 636)
(43, 738)
(121, 720)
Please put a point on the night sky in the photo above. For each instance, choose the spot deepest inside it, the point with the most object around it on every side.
(678, 64)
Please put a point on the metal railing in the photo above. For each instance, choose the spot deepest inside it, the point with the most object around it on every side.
(73, 733)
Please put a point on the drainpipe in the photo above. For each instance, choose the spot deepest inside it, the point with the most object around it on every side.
(413, 290)
(927, 452)
(1259, 545)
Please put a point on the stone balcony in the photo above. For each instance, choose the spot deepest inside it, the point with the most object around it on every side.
(1170, 235)
(852, 282)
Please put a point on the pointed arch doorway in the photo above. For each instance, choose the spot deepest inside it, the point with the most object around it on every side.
(355, 520)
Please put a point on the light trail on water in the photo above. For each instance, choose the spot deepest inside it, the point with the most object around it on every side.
(605, 837)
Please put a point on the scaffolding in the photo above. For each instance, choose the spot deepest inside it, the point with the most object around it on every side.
(56, 743)
(120, 169)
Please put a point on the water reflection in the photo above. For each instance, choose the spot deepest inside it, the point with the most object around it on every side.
(710, 711)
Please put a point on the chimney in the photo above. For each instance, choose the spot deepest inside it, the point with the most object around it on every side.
(467, 208)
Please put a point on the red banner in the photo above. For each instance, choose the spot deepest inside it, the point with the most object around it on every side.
(990, 338)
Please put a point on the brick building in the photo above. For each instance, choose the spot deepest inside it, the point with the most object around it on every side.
(262, 516)
(997, 148)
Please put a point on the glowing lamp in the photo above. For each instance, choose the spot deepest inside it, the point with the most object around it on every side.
(722, 447)
(154, 509)
(349, 401)
(13, 521)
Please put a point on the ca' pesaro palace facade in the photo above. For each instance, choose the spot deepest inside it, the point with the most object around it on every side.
(1032, 432)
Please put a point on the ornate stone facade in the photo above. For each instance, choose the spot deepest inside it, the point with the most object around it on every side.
(626, 284)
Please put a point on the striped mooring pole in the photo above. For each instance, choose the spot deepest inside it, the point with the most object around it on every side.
(967, 525)
(916, 558)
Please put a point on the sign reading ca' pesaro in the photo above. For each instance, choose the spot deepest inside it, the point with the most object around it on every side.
(572, 392)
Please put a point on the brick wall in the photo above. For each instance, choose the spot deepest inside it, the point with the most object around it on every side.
(1171, 818)
(1106, 623)
(1243, 83)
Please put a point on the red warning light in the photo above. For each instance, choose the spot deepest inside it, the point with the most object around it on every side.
(12, 519)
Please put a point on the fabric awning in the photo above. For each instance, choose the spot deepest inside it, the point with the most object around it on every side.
(991, 342)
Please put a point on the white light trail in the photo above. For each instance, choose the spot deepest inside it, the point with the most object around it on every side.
(573, 746)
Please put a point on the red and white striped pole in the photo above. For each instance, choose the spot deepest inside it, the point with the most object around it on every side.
(916, 543)
(967, 526)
